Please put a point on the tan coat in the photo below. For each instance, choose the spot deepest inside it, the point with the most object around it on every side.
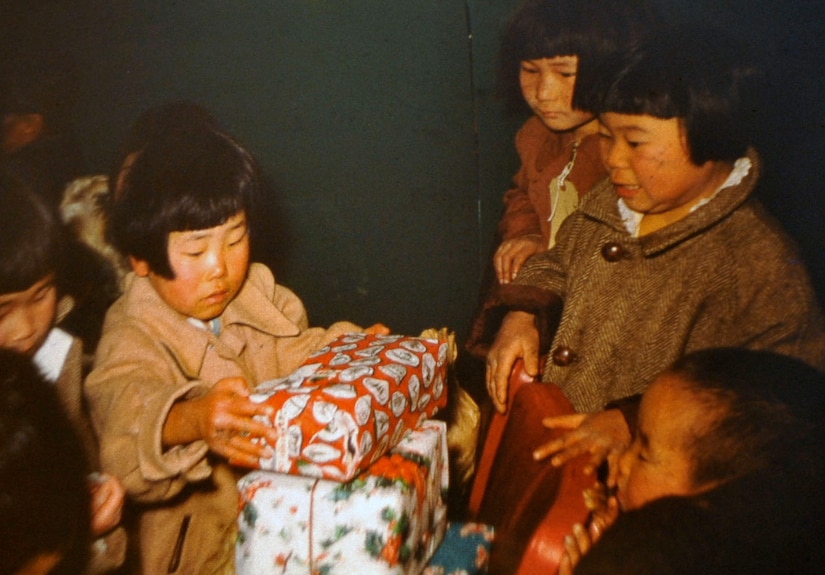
(150, 357)
(108, 553)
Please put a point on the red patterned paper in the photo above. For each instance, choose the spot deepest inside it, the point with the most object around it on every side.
(352, 401)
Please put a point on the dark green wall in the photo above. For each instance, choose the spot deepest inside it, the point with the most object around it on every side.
(374, 121)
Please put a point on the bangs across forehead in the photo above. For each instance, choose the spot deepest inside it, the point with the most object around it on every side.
(653, 91)
(549, 39)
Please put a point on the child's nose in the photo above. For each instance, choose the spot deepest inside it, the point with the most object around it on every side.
(217, 265)
(613, 155)
(548, 89)
(25, 326)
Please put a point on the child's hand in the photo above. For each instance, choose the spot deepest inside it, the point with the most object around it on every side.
(517, 338)
(107, 495)
(512, 254)
(604, 435)
(224, 419)
(579, 542)
(377, 329)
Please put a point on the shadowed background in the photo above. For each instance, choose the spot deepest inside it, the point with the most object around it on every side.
(385, 150)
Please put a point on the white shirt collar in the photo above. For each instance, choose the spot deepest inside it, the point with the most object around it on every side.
(51, 356)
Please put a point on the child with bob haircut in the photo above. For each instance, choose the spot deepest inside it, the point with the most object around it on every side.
(196, 329)
(553, 58)
(671, 254)
(32, 252)
(738, 435)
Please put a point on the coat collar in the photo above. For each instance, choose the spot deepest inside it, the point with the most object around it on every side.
(250, 308)
(601, 204)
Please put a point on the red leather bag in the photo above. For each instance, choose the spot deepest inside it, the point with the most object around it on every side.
(531, 504)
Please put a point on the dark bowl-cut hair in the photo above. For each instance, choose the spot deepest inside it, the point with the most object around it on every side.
(768, 413)
(596, 31)
(163, 120)
(700, 75)
(186, 181)
(44, 499)
(32, 240)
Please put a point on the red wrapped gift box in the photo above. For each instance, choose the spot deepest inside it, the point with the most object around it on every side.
(352, 401)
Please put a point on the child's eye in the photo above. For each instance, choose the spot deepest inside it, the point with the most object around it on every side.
(238, 240)
(194, 254)
(529, 69)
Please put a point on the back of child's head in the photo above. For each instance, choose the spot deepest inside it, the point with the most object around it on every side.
(595, 31)
(767, 414)
(184, 182)
(699, 75)
(44, 500)
(164, 120)
(31, 240)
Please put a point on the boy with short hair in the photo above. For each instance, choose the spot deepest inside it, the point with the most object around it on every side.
(31, 254)
(197, 328)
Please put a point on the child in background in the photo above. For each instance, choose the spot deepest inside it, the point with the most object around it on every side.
(670, 255)
(31, 257)
(196, 329)
(552, 58)
(741, 432)
(44, 500)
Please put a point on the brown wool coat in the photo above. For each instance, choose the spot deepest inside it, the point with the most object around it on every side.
(725, 275)
(543, 155)
(149, 357)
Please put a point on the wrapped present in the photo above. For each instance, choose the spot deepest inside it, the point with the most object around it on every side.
(351, 401)
(388, 520)
(465, 550)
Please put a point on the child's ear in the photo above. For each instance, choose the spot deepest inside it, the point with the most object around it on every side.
(140, 267)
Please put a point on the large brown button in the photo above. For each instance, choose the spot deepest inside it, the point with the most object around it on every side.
(563, 356)
(612, 251)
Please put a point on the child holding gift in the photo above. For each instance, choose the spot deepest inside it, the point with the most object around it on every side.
(31, 257)
(552, 57)
(197, 328)
(669, 256)
(738, 433)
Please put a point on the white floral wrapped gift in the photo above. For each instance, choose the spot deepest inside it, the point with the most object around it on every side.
(388, 520)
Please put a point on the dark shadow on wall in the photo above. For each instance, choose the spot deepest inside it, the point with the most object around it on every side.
(386, 152)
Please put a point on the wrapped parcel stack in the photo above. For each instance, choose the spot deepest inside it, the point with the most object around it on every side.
(358, 478)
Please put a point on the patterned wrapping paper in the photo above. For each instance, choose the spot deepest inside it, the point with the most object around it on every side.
(389, 520)
(352, 401)
(465, 550)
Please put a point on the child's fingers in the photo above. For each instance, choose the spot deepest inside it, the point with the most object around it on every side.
(582, 538)
(570, 421)
(243, 451)
(571, 550)
(565, 565)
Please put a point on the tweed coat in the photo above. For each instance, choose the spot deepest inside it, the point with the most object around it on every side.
(725, 275)
(149, 357)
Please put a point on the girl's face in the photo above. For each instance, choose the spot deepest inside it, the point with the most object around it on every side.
(210, 268)
(658, 463)
(27, 316)
(547, 85)
(650, 166)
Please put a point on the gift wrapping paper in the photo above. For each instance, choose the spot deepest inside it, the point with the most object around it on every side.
(388, 520)
(465, 550)
(352, 401)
